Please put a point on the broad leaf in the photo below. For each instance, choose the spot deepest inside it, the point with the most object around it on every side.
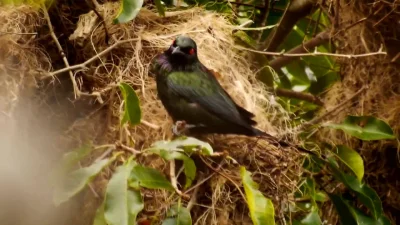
(132, 113)
(352, 160)
(188, 144)
(261, 208)
(178, 215)
(366, 194)
(122, 204)
(128, 11)
(188, 163)
(160, 7)
(366, 128)
(99, 218)
(312, 218)
(71, 159)
(149, 178)
(73, 182)
(351, 216)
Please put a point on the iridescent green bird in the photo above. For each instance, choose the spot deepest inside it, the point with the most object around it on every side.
(192, 95)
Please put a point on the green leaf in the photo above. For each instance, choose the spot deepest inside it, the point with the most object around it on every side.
(311, 219)
(149, 178)
(188, 163)
(366, 128)
(351, 216)
(73, 182)
(160, 7)
(178, 215)
(366, 194)
(122, 204)
(128, 11)
(99, 218)
(70, 159)
(261, 208)
(187, 144)
(132, 113)
(352, 160)
(345, 214)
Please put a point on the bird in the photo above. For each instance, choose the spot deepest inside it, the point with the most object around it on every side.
(193, 97)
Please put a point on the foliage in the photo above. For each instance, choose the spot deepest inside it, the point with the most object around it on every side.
(261, 208)
(306, 74)
(128, 11)
(367, 128)
(132, 113)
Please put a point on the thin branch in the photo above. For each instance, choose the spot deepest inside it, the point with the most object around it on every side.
(174, 180)
(330, 112)
(297, 95)
(17, 33)
(84, 64)
(154, 126)
(134, 151)
(293, 13)
(318, 40)
(193, 199)
(245, 4)
(227, 177)
(60, 49)
(315, 53)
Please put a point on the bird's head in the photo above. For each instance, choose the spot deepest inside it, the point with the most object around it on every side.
(183, 49)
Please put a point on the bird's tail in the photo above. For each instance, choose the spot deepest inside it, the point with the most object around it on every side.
(275, 140)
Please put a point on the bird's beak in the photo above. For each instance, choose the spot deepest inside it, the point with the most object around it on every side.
(176, 50)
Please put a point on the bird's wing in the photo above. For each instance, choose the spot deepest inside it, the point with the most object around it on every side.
(198, 88)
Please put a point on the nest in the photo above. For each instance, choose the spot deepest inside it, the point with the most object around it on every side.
(219, 202)
(372, 29)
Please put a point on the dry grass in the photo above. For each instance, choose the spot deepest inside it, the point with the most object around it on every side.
(277, 170)
(383, 95)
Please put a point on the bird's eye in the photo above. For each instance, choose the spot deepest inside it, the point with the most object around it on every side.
(174, 43)
(191, 51)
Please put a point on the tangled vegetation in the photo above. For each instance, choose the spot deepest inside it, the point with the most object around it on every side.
(306, 69)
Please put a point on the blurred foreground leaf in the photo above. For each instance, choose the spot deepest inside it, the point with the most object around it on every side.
(352, 160)
(128, 11)
(132, 113)
(261, 208)
(99, 218)
(366, 128)
(121, 203)
(73, 182)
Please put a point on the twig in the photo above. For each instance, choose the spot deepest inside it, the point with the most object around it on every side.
(193, 199)
(222, 174)
(303, 48)
(200, 182)
(95, 6)
(94, 58)
(18, 33)
(315, 53)
(174, 180)
(60, 49)
(297, 95)
(263, 19)
(134, 151)
(154, 126)
(108, 151)
(96, 195)
(330, 112)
